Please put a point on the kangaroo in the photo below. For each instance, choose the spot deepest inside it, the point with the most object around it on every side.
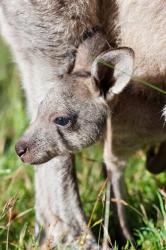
(44, 37)
(73, 116)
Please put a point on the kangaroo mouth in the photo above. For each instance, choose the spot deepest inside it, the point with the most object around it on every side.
(32, 159)
(35, 154)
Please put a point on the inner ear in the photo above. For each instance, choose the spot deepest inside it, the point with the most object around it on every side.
(104, 79)
(111, 71)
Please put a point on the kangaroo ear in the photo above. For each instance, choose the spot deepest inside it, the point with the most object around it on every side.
(111, 71)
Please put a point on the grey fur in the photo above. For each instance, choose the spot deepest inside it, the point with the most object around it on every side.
(45, 35)
(83, 96)
(83, 101)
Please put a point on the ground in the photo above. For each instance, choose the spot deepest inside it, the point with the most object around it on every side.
(146, 202)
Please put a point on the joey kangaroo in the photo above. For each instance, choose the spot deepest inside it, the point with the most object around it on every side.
(44, 37)
(73, 116)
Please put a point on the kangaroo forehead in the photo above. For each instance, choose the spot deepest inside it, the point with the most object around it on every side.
(64, 100)
(69, 87)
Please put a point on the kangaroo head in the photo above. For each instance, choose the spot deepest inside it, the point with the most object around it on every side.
(73, 114)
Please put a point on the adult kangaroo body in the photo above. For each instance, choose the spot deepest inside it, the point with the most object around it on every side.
(44, 36)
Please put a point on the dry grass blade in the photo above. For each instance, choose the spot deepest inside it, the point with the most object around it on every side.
(9, 206)
(82, 239)
(128, 205)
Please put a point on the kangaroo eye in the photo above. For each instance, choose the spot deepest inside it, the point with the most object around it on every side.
(62, 120)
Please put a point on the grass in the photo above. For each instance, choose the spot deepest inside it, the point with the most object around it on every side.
(146, 203)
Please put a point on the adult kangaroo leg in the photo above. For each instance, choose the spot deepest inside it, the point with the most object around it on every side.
(118, 191)
(117, 197)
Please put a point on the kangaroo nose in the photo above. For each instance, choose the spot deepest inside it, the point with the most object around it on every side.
(21, 149)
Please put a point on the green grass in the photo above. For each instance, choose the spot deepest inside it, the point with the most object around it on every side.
(146, 205)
